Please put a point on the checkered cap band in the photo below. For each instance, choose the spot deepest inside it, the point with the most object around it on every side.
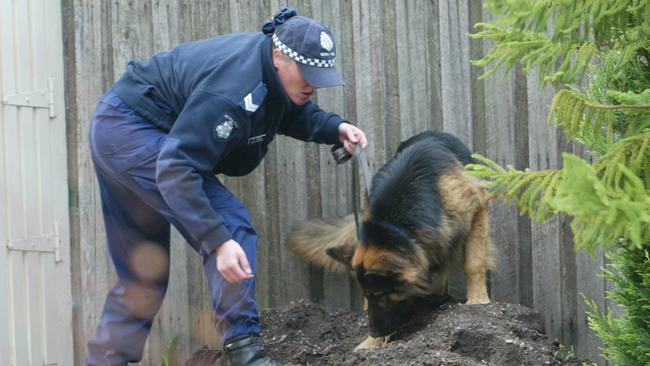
(300, 58)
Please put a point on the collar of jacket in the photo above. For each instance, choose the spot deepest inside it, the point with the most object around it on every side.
(271, 77)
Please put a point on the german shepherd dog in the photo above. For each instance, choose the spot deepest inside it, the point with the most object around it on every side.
(423, 217)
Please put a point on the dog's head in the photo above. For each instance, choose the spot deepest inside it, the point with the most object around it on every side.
(391, 270)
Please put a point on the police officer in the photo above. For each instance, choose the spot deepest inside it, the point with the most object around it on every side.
(158, 138)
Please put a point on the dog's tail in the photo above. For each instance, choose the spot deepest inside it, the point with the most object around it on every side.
(311, 239)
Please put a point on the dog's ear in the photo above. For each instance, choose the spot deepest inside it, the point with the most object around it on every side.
(343, 253)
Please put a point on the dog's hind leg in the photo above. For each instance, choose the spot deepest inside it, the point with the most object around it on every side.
(478, 258)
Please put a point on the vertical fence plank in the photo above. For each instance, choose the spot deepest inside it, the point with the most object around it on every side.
(368, 59)
(521, 159)
(131, 31)
(611, 306)
(456, 95)
(417, 43)
(506, 142)
(350, 107)
(476, 52)
(500, 147)
(273, 233)
(455, 70)
(175, 316)
(592, 286)
(291, 161)
(252, 191)
(295, 171)
(93, 75)
(546, 236)
(568, 274)
(390, 76)
(333, 290)
(208, 19)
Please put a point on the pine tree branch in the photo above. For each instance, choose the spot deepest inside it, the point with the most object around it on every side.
(618, 106)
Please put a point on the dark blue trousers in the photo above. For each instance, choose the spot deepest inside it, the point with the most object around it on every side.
(124, 148)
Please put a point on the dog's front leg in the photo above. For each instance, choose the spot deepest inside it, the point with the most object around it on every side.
(372, 342)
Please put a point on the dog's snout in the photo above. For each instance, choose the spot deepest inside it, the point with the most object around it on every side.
(385, 317)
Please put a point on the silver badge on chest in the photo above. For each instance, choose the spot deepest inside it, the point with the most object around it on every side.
(225, 129)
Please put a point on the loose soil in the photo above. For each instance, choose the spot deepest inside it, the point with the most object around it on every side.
(301, 333)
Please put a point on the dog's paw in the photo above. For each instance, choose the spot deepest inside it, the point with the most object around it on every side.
(372, 342)
(480, 300)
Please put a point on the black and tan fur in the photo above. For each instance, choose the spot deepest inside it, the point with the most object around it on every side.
(423, 217)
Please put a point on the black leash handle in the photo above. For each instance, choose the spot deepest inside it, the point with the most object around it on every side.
(341, 156)
(339, 153)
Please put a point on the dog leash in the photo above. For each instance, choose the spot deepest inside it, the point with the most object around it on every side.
(363, 160)
(341, 156)
(360, 153)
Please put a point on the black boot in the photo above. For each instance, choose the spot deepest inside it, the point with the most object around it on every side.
(246, 350)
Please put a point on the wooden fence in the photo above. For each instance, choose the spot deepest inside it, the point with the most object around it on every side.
(406, 66)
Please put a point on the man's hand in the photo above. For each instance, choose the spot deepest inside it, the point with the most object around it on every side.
(232, 262)
(350, 135)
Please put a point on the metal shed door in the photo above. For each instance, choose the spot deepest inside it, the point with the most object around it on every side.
(35, 296)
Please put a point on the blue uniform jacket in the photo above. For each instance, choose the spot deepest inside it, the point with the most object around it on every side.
(222, 103)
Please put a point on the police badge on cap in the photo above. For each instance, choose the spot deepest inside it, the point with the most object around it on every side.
(308, 43)
(326, 42)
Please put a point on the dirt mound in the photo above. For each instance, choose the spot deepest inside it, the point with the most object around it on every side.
(301, 333)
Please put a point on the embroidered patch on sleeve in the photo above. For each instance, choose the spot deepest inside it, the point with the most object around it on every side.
(254, 99)
(225, 128)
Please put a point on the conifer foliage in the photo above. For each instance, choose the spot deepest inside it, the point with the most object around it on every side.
(596, 54)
